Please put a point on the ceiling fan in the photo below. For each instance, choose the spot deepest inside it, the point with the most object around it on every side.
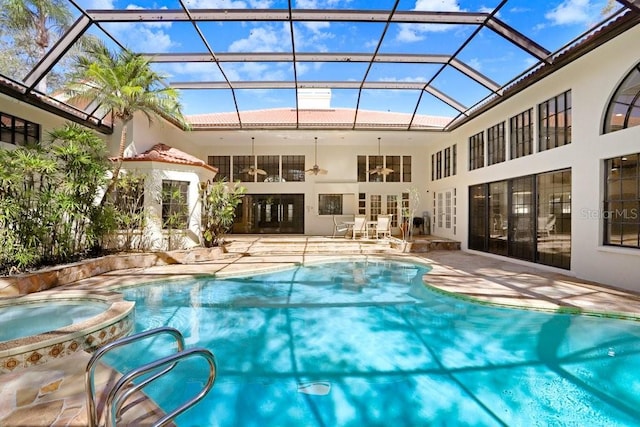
(380, 170)
(253, 170)
(316, 170)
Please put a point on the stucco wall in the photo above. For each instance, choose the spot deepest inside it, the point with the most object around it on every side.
(592, 80)
(337, 152)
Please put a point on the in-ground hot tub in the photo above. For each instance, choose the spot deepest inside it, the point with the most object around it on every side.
(40, 327)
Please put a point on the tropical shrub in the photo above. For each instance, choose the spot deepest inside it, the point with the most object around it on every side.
(219, 202)
(48, 209)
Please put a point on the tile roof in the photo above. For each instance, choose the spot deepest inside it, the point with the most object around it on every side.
(334, 117)
(167, 154)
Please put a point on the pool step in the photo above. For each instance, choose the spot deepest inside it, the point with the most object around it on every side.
(323, 245)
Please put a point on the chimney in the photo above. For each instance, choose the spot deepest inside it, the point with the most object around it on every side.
(314, 99)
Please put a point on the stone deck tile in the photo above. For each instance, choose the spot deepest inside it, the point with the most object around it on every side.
(507, 283)
(53, 395)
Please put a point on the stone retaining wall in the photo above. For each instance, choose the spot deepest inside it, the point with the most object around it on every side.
(27, 283)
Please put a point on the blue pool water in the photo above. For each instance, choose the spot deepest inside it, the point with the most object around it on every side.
(366, 344)
(25, 320)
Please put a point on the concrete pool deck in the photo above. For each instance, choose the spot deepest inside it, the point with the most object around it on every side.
(53, 395)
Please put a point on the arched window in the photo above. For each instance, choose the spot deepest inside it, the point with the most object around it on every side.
(624, 108)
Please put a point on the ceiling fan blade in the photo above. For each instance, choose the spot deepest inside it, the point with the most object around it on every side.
(386, 171)
(260, 171)
(316, 170)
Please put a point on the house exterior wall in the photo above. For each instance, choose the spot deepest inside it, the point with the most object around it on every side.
(46, 120)
(592, 80)
(337, 152)
(155, 173)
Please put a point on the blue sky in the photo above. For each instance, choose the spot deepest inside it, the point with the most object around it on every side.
(550, 23)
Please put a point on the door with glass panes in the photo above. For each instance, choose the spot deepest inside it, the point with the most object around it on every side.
(372, 204)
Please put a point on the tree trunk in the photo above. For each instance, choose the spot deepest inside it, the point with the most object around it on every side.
(116, 171)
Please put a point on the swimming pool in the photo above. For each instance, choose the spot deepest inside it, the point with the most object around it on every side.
(366, 343)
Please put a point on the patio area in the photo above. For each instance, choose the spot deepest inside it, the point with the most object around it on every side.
(52, 394)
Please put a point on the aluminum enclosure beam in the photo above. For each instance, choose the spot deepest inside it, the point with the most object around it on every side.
(307, 15)
(300, 57)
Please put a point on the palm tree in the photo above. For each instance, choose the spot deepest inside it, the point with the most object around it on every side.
(41, 18)
(124, 84)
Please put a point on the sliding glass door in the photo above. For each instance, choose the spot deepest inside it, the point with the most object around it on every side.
(528, 218)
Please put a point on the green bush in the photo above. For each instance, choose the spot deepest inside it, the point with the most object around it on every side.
(219, 202)
(48, 209)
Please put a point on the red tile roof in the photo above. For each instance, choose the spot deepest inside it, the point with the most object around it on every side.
(164, 153)
(329, 118)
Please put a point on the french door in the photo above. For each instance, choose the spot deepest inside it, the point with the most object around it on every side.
(270, 214)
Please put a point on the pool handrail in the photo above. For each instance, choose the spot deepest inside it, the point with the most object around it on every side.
(92, 414)
(115, 399)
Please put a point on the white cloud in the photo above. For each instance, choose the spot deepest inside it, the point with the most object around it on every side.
(258, 72)
(264, 39)
(571, 12)
(315, 27)
(194, 70)
(415, 32)
(437, 5)
(149, 37)
(409, 33)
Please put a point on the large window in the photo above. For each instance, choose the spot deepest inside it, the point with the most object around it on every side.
(624, 108)
(554, 122)
(393, 162)
(443, 163)
(476, 151)
(271, 165)
(248, 168)
(527, 218)
(621, 210)
(406, 168)
(521, 134)
(447, 162)
(398, 168)
(293, 168)
(14, 130)
(496, 144)
(174, 204)
(329, 204)
(241, 167)
(223, 163)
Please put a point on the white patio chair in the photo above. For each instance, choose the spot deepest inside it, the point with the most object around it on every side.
(339, 227)
(383, 226)
(360, 226)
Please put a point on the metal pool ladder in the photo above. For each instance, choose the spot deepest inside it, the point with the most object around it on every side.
(125, 387)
